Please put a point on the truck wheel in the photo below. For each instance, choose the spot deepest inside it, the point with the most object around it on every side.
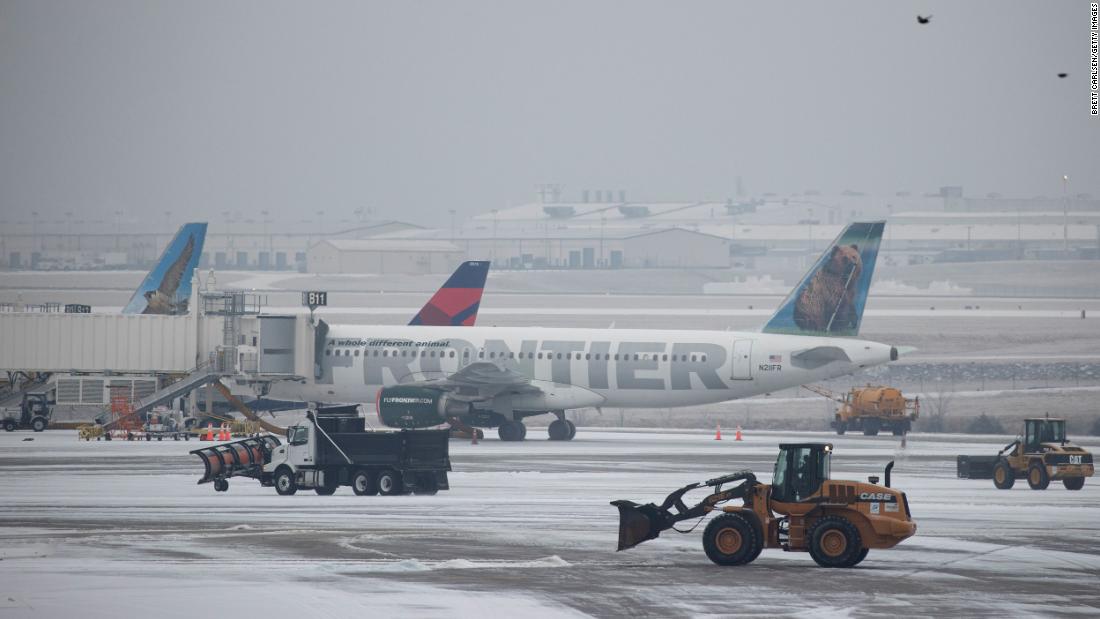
(325, 490)
(362, 484)
(1003, 477)
(834, 542)
(9, 425)
(731, 539)
(1074, 483)
(389, 482)
(38, 424)
(558, 430)
(1037, 476)
(285, 484)
(841, 427)
(870, 427)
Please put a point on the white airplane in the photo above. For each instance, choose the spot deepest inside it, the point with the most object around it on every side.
(422, 376)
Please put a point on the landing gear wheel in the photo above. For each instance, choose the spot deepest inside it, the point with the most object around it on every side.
(512, 431)
(285, 484)
(221, 485)
(389, 483)
(362, 484)
(1074, 483)
(38, 424)
(1003, 477)
(731, 539)
(835, 542)
(9, 425)
(870, 427)
(558, 430)
(572, 429)
(1037, 476)
(841, 427)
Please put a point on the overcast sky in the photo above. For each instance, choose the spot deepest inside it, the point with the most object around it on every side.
(413, 108)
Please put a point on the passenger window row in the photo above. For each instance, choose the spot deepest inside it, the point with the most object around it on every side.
(386, 352)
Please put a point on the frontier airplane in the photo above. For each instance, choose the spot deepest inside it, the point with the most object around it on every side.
(421, 376)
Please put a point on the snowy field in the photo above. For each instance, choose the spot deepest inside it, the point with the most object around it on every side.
(121, 529)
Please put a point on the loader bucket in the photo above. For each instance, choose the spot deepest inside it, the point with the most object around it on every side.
(638, 523)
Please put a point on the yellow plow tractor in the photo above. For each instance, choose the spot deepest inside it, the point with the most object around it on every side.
(1041, 455)
(837, 522)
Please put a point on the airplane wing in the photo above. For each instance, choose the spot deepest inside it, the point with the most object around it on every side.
(479, 381)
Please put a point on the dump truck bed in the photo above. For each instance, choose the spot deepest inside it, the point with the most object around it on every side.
(406, 449)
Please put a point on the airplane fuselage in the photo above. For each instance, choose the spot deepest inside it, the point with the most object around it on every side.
(577, 368)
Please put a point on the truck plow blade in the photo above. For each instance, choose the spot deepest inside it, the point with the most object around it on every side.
(638, 523)
(243, 457)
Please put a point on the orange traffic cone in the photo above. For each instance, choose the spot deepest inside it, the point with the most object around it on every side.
(225, 436)
(737, 435)
(209, 432)
(718, 432)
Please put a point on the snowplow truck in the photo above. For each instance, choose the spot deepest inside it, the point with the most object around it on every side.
(870, 409)
(1040, 455)
(802, 510)
(327, 452)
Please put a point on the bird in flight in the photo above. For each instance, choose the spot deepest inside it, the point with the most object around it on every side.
(923, 20)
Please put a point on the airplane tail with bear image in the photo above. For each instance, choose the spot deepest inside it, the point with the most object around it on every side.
(831, 296)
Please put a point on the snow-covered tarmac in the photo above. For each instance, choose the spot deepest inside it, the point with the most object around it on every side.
(121, 529)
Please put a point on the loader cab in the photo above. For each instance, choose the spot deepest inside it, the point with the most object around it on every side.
(1043, 430)
(799, 470)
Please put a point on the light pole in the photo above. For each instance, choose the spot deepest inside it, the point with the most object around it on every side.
(1065, 217)
(493, 252)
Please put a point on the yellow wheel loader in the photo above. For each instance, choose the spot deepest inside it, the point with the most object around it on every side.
(837, 522)
(1041, 455)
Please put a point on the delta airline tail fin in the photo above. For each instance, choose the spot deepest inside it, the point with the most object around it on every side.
(167, 287)
(830, 298)
(456, 303)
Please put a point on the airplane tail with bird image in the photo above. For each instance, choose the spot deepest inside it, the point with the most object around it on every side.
(167, 287)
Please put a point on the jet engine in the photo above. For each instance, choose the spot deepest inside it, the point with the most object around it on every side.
(417, 407)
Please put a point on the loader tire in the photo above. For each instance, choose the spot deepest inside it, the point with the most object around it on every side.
(1074, 483)
(39, 424)
(285, 484)
(1037, 476)
(731, 539)
(1003, 477)
(363, 484)
(835, 542)
(9, 425)
(859, 558)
